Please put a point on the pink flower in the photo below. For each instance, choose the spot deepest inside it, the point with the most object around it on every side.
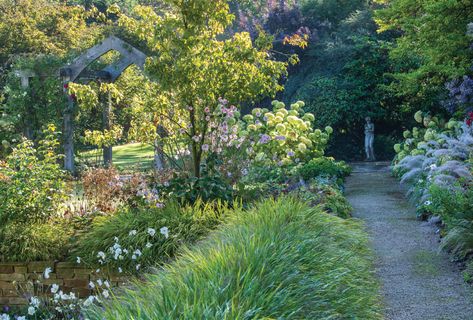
(207, 110)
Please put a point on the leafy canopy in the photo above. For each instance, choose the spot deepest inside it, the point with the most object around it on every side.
(194, 64)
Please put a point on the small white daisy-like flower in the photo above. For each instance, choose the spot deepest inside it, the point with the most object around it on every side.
(31, 311)
(54, 288)
(99, 282)
(151, 232)
(34, 302)
(46, 273)
(89, 301)
(132, 233)
(164, 231)
(105, 293)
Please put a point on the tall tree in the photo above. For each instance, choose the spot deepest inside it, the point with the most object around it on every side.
(194, 65)
(433, 47)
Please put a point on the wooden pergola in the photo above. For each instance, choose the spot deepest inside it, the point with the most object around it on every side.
(72, 72)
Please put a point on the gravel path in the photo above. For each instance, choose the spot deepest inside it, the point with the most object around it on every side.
(417, 281)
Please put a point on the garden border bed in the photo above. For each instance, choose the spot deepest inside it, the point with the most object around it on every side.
(71, 277)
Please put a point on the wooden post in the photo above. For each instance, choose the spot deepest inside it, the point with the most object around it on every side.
(69, 132)
(25, 76)
(107, 150)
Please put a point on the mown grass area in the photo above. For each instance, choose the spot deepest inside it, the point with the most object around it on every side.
(280, 260)
(127, 157)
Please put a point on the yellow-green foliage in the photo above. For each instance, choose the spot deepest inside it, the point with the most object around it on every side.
(280, 260)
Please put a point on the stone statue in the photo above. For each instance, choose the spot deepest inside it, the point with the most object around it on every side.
(369, 139)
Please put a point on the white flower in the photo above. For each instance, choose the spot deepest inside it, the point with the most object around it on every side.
(31, 311)
(138, 252)
(132, 233)
(133, 257)
(116, 239)
(19, 318)
(34, 302)
(89, 301)
(5, 316)
(91, 285)
(138, 266)
(107, 284)
(105, 293)
(99, 282)
(164, 231)
(54, 288)
(78, 260)
(148, 245)
(120, 270)
(97, 271)
(151, 232)
(101, 255)
(428, 203)
(433, 166)
(46, 273)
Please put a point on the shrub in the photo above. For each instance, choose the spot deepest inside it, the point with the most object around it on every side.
(34, 241)
(32, 184)
(157, 233)
(324, 167)
(326, 196)
(279, 260)
(107, 190)
(284, 136)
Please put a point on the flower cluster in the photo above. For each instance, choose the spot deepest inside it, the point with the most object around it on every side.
(283, 136)
(60, 304)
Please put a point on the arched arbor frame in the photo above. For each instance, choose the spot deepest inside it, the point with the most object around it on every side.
(72, 72)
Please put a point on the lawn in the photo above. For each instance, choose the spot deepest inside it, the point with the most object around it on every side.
(126, 157)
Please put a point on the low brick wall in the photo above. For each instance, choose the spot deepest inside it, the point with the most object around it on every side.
(15, 277)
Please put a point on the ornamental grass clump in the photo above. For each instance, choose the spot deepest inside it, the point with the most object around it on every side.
(279, 260)
(137, 238)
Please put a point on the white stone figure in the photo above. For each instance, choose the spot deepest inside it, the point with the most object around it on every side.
(369, 140)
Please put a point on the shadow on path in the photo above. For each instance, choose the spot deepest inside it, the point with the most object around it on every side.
(418, 282)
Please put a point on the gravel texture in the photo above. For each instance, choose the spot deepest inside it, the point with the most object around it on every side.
(417, 281)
